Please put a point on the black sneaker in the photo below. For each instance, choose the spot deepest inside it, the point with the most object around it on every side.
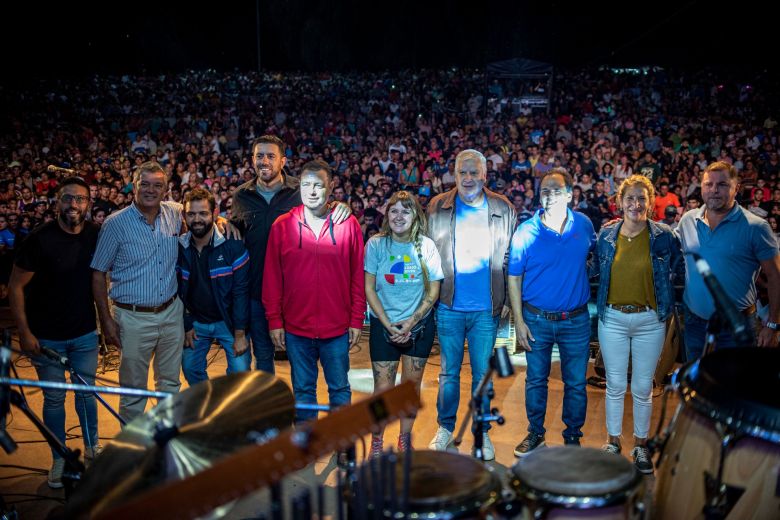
(642, 459)
(529, 444)
(572, 441)
(611, 447)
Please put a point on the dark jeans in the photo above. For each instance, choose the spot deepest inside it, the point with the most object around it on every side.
(333, 354)
(696, 335)
(262, 348)
(573, 339)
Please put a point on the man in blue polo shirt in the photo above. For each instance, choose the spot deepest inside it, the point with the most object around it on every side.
(735, 243)
(549, 291)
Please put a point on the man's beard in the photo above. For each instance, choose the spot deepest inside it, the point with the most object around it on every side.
(71, 222)
(200, 232)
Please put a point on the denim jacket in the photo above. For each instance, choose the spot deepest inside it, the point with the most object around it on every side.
(665, 252)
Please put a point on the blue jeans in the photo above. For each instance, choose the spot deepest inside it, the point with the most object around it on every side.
(262, 347)
(83, 355)
(479, 327)
(193, 360)
(573, 339)
(333, 354)
(695, 335)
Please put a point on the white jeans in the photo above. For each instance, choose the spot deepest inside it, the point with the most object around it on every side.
(641, 335)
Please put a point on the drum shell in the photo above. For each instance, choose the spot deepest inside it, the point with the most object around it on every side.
(443, 485)
(692, 448)
(613, 501)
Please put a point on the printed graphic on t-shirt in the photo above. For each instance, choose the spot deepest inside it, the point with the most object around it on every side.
(402, 270)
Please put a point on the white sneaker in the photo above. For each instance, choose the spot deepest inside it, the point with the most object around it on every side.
(55, 473)
(90, 452)
(488, 451)
(442, 441)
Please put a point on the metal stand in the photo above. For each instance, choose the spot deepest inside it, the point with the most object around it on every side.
(714, 326)
(74, 468)
(75, 376)
(499, 363)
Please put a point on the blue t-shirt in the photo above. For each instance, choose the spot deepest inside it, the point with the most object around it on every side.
(7, 238)
(553, 265)
(472, 258)
(734, 250)
(399, 279)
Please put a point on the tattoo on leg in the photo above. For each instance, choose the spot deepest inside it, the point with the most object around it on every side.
(384, 373)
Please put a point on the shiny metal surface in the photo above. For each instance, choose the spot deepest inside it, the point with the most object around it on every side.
(183, 435)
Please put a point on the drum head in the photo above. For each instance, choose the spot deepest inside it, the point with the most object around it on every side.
(441, 480)
(740, 387)
(576, 472)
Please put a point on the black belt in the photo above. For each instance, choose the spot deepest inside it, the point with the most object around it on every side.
(555, 316)
(629, 309)
(141, 308)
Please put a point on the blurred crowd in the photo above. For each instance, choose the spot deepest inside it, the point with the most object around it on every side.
(382, 132)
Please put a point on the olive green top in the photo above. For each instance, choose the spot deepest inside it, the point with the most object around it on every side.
(631, 277)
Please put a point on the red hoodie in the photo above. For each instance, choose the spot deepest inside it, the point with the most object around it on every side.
(314, 288)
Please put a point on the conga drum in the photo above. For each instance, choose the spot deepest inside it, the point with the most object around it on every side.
(441, 485)
(721, 453)
(568, 482)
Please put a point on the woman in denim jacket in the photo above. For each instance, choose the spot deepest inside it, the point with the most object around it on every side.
(635, 258)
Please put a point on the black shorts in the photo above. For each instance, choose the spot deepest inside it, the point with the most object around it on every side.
(383, 350)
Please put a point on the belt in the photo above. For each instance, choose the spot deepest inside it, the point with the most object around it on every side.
(555, 316)
(630, 309)
(141, 308)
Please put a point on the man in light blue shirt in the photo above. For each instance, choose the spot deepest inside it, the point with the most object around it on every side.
(139, 246)
(736, 244)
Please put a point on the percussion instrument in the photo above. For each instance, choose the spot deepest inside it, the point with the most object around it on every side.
(569, 482)
(430, 484)
(721, 451)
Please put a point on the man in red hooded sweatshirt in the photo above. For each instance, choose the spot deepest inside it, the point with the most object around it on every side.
(313, 290)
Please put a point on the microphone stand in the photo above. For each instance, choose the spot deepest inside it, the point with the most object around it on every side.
(74, 375)
(74, 468)
(499, 362)
(714, 327)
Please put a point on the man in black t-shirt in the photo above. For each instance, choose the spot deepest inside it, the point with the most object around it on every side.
(51, 300)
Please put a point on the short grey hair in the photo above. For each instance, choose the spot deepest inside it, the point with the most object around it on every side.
(472, 154)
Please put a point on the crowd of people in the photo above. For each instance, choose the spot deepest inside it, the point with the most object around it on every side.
(306, 197)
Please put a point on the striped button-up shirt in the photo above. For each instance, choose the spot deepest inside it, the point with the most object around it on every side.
(140, 257)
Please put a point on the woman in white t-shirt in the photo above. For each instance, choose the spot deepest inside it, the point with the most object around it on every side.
(403, 273)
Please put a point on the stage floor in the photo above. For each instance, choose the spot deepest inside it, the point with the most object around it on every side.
(20, 485)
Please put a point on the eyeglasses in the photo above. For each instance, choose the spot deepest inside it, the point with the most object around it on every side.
(80, 199)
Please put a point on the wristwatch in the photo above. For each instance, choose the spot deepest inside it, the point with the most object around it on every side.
(772, 325)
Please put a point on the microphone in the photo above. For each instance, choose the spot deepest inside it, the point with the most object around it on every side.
(501, 362)
(49, 353)
(735, 320)
(56, 169)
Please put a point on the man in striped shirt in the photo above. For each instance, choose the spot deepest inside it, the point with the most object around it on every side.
(139, 246)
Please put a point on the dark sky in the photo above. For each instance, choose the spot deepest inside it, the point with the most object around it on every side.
(65, 39)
